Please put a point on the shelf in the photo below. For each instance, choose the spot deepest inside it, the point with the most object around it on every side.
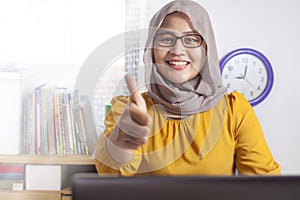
(66, 194)
(48, 159)
(30, 195)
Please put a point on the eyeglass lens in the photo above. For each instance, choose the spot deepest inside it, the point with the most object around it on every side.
(168, 40)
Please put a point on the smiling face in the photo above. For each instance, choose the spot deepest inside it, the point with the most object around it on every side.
(178, 63)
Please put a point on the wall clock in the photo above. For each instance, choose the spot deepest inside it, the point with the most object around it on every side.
(249, 72)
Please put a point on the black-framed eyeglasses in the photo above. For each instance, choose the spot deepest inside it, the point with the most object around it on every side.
(190, 40)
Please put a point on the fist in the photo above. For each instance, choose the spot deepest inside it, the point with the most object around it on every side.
(134, 125)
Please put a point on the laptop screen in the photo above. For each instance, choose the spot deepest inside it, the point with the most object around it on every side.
(92, 187)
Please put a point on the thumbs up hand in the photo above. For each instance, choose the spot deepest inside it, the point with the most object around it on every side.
(134, 125)
(137, 108)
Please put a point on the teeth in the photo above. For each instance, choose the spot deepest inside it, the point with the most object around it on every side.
(178, 63)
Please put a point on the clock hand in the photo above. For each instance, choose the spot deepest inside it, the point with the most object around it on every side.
(240, 77)
(250, 83)
(245, 71)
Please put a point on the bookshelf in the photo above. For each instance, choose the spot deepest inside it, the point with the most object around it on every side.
(48, 165)
(64, 194)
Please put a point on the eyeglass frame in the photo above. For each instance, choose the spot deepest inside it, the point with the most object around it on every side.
(178, 37)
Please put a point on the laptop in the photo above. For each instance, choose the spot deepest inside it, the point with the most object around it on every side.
(106, 187)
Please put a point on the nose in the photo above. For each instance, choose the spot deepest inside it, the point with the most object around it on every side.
(178, 48)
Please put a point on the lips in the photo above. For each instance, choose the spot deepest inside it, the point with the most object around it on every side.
(178, 64)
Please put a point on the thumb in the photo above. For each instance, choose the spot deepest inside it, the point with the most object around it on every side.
(136, 96)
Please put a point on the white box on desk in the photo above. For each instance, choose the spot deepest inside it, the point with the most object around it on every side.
(10, 112)
(43, 177)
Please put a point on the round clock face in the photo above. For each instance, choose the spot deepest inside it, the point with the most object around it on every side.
(248, 72)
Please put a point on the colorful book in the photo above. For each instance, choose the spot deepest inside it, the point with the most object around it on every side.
(89, 126)
(11, 176)
(11, 168)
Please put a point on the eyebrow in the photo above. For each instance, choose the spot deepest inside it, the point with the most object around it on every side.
(161, 31)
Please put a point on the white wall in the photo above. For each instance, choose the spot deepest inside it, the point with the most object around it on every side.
(272, 27)
(48, 40)
(30, 33)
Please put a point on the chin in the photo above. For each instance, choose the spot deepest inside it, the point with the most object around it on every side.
(176, 80)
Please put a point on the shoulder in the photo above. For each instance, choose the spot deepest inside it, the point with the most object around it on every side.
(120, 100)
(237, 102)
(236, 97)
(237, 105)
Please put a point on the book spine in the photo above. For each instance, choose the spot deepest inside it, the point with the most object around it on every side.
(72, 122)
(11, 168)
(67, 124)
(57, 122)
(51, 121)
(44, 118)
(61, 124)
(11, 176)
(89, 125)
(38, 121)
(83, 128)
(79, 130)
(15, 185)
(28, 124)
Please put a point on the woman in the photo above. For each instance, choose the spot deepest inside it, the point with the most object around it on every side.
(185, 124)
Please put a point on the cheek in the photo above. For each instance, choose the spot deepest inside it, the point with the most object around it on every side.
(159, 55)
(198, 59)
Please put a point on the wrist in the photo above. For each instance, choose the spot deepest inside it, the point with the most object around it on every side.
(118, 154)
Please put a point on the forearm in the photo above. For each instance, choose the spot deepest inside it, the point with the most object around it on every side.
(118, 154)
(105, 163)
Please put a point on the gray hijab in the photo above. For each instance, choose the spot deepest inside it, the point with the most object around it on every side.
(194, 96)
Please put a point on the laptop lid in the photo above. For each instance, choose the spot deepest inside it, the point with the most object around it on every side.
(92, 187)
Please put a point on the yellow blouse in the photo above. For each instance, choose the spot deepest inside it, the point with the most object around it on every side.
(216, 142)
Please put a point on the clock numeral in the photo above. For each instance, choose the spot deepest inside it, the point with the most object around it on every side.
(254, 63)
(228, 85)
(236, 62)
(258, 88)
(251, 93)
(230, 68)
(260, 70)
(225, 76)
(245, 60)
(262, 79)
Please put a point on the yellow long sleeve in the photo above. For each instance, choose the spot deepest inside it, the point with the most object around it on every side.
(215, 142)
